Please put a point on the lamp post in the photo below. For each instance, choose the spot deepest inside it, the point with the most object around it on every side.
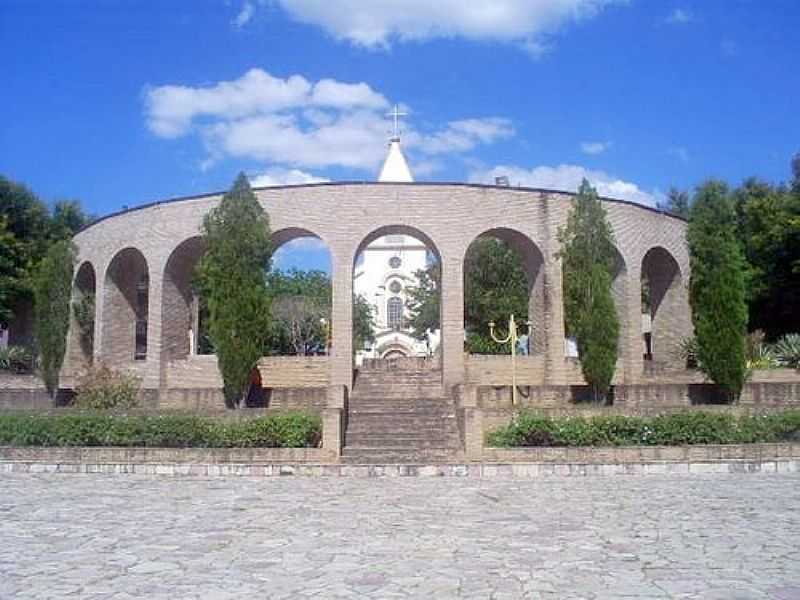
(513, 338)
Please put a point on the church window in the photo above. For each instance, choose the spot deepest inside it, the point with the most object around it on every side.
(395, 262)
(395, 287)
(394, 311)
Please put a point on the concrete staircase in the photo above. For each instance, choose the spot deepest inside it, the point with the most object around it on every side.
(399, 413)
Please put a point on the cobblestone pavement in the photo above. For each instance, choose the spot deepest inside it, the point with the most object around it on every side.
(96, 536)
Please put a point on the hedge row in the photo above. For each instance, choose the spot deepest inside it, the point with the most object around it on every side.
(530, 429)
(284, 430)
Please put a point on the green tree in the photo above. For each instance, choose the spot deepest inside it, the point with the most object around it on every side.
(717, 287)
(52, 286)
(231, 279)
(423, 301)
(588, 255)
(68, 219)
(676, 203)
(25, 231)
(300, 299)
(768, 229)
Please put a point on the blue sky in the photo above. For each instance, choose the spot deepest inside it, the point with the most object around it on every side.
(122, 103)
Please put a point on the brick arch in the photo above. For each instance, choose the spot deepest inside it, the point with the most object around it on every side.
(82, 314)
(179, 301)
(666, 306)
(533, 265)
(126, 289)
(619, 293)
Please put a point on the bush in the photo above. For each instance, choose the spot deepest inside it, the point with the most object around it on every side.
(787, 350)
(17, 360)
(104, 388)
(285, 430)
(530, 429)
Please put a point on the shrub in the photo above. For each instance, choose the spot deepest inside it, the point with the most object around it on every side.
(787, 350)
(104, 388)
(530, 429)
(17, 360)
(284, 430)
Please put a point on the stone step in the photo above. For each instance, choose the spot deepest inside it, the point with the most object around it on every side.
(358, 441)
(400, 455)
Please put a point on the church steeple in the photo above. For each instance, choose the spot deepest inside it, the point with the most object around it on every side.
(395, 168)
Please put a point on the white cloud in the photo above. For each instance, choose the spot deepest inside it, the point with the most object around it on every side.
(567, 178)
(594, 147)
(244, 16)
(299, 252)
(296, 122)
(280, 176)
(378, 23)
(679, 16)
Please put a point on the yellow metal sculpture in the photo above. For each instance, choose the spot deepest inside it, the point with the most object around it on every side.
(514, 339)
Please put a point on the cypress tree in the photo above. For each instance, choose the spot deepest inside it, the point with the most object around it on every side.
(52, 289)
(717, 292)
(588, 255)
(231, 276)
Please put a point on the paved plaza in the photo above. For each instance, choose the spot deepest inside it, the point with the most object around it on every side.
(100, 536)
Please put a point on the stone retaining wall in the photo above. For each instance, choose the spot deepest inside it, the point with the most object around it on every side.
(523, 463)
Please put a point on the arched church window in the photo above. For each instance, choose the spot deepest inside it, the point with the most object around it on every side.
(394, 312)
(395, 262)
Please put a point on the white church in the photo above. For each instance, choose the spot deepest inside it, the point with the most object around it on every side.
(386, 270)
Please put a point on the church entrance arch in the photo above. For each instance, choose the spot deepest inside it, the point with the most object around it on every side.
(397, 283)
(504, 275)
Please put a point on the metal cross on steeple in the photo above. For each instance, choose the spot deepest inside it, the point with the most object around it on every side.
(396, 114)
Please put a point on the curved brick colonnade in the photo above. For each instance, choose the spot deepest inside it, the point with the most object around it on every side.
(147, 255)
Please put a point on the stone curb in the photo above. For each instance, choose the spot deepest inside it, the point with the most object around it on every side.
(467, 470)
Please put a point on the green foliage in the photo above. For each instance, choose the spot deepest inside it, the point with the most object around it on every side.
(17, 359)
(495, 287)
(299, 300)
(768, 230)
(588, 255)
(787, 350)
(531, 429)
(284, 430)
(717, 288)
(52, 293)
(424, 301)
(363, 322)
(676, 203)
(231, 279)
(102, 388)
(758, 354)
(83, 309)
(26, 231)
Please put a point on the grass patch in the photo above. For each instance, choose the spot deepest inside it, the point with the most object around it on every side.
(529, 429)
(282, 430)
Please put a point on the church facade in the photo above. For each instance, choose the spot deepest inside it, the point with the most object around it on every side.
(386, 272)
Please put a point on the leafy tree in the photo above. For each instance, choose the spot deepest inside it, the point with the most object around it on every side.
(495, 286)
(677, 203)
(423, 301)
(588, 255)
(52, 291)
(717, 287)
(68, 219)
(768, 229)
(25, 231)
(231, 278)
(300, 299)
